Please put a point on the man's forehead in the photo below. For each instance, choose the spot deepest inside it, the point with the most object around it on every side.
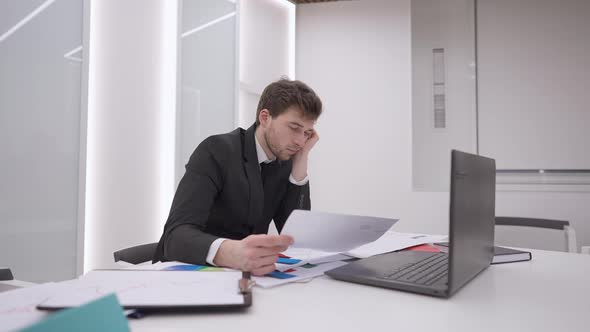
(302, 122)
(307, 125)
(296, 116)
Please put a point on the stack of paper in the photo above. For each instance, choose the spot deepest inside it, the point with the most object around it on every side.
(152, 289)
(392, 241)
(300, 273)
(324, 241)
(18, 306)
(175, 266)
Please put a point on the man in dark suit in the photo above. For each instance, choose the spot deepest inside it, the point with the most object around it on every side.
(236, 183)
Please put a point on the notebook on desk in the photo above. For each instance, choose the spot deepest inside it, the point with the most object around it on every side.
(471, 239)
(501, 254)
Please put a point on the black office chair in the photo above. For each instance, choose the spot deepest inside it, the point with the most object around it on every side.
(507, 233)
(6, 274)
(137, 254)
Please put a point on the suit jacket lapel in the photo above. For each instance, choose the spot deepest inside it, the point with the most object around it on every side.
(256, 204)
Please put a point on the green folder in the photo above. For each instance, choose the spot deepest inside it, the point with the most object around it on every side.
(104, 314)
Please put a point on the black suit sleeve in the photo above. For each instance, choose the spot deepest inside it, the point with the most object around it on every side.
(297, 197)
(184, 238)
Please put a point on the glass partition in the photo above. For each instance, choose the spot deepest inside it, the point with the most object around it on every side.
(208, 74)
(40, 108)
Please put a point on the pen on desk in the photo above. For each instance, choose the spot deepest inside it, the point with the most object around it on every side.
(245, 283)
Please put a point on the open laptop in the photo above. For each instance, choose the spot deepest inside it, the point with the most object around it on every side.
(471, 239)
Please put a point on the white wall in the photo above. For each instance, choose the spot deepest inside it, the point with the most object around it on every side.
(533, 72)
(130, 147)
(534, 65)
(357, 56)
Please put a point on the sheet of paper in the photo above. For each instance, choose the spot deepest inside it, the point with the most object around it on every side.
(175, 266)
(300, 273)
(18, 306)
(310, 256)
(391, 241)
(152, 288)
(333, 232)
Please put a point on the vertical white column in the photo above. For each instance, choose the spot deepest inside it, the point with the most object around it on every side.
(131, 117)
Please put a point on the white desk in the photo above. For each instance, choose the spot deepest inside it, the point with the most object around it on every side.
(550, 293)
(18, 283)
(8, 285)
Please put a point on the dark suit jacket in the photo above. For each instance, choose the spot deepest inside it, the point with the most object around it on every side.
(222, 195)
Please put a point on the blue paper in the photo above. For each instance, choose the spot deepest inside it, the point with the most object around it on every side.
(284, 260)
(280, 275)
(104, 314)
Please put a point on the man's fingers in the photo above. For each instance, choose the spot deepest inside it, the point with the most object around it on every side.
(263, 270)
(262, 265)
(262, 251)
(269, 241)
(264, 261)
(315, 136)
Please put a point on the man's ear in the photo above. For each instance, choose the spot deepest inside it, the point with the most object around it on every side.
(264, 117)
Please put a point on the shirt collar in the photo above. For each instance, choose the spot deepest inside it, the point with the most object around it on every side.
(262, 158)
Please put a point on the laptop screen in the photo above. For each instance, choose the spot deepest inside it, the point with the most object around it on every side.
(472, 215)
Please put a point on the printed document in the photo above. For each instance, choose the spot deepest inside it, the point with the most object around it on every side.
(333, 232)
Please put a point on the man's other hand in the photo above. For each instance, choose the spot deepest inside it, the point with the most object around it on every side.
(256, 253)
(299, 170)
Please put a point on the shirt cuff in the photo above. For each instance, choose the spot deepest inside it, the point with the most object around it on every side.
(298, 183)
(213, 250)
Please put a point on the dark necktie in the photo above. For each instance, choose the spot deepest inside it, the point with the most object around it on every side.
(265, 170)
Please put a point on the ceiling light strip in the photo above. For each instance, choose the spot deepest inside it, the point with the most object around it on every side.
(26, 20)
(206, 25)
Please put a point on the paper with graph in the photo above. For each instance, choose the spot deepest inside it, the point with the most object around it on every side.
(155, 289)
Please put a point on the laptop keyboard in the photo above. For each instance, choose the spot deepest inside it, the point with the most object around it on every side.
(424, 272)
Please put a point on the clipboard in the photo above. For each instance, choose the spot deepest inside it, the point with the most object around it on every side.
(158, 291)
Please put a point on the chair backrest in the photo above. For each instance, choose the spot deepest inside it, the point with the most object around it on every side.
(536, 233)
(137, 254)
(6, 274)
